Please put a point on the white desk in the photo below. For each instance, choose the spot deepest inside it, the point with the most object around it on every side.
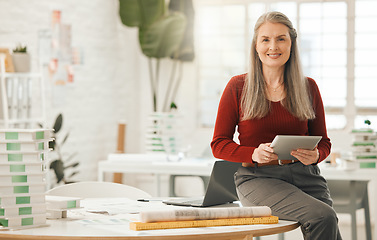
(203, 168)
(73, 228)
(158, 168)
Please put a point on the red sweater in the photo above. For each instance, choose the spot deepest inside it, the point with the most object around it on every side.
(256, 131)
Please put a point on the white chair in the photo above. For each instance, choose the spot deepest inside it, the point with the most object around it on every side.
(93, 189)
(172, 182)
(348, 197)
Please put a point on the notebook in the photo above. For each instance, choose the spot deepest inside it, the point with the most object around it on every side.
(221, 188)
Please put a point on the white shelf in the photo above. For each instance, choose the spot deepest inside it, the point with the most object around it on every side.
(22, 102)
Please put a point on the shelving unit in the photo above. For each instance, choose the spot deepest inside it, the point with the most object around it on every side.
(22, 94)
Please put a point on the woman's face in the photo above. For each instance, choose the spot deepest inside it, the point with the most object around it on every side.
(273, 45)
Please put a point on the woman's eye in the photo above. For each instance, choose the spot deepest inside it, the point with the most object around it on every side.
(281, 39)
(265, 40)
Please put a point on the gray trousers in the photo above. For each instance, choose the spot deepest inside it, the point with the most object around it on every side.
(293, 192)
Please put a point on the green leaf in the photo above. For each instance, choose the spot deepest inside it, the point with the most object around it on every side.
(58, 123)
(186, 51)
(58, 167)
(137, 13)
(65, 138)
(73, 165)
(73, 174)
(173, 105)
(163, 37)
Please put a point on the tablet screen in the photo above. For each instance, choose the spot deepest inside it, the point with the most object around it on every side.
(284, 144)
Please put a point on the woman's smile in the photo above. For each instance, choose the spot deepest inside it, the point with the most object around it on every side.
(273, 45)
(274, 55)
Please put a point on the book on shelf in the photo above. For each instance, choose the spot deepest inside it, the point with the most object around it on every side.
(363, 131)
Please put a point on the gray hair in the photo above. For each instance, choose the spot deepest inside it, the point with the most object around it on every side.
(254, 102)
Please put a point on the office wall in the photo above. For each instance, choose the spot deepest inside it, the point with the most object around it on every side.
(111, 84)
(106, 84)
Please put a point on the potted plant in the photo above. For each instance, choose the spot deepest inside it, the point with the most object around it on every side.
(21, 59)
(164, 32)
(62, 163)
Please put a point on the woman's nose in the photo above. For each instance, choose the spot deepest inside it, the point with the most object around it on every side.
(273, 45)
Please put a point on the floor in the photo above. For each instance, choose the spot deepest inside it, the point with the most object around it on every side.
(344, 226)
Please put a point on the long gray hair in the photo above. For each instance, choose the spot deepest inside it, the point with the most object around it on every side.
(254, 102)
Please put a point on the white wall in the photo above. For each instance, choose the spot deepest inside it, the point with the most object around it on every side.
(111, 85)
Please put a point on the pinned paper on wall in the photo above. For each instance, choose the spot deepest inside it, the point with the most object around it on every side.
(58, 56)
(60, 66)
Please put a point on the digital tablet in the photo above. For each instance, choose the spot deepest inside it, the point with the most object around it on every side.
(284, 144)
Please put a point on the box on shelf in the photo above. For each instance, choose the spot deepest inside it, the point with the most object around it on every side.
(21, 221)
(364, 149)
(20, 167)
(14, 146)
(367, 164)
(17, 188)
(11, 200)
(359, 163)
(163, 133)
(22, 178)
(24, 156)
(363, 137)
(25, 134)
(22, 209)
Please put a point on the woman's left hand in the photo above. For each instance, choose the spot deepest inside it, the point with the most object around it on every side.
(307, 157)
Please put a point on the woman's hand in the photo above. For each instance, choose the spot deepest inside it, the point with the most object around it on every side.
(264, 153)
(307, 157)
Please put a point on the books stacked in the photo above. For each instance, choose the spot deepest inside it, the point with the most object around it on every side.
(23, 153)
(364, 148)
(163, 133)
(57, 206)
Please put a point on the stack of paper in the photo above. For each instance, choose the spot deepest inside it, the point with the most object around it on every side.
(364, 150)
(57, 206)
(23, 153)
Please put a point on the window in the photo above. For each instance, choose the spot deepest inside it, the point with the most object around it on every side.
(365, 49)
(323, 49)
(221, 53)
(335, 50)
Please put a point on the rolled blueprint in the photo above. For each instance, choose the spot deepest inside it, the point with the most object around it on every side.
(182, 214)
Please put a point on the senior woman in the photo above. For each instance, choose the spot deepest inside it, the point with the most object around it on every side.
(274, 98)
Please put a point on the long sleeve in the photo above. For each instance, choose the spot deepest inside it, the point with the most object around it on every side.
(317, 126)
(253, 132)
(223, 145)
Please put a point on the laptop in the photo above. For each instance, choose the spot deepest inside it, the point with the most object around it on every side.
(221, 188)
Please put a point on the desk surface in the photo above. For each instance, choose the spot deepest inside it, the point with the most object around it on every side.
(137, 164)
(79, 226)
(204, 167)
